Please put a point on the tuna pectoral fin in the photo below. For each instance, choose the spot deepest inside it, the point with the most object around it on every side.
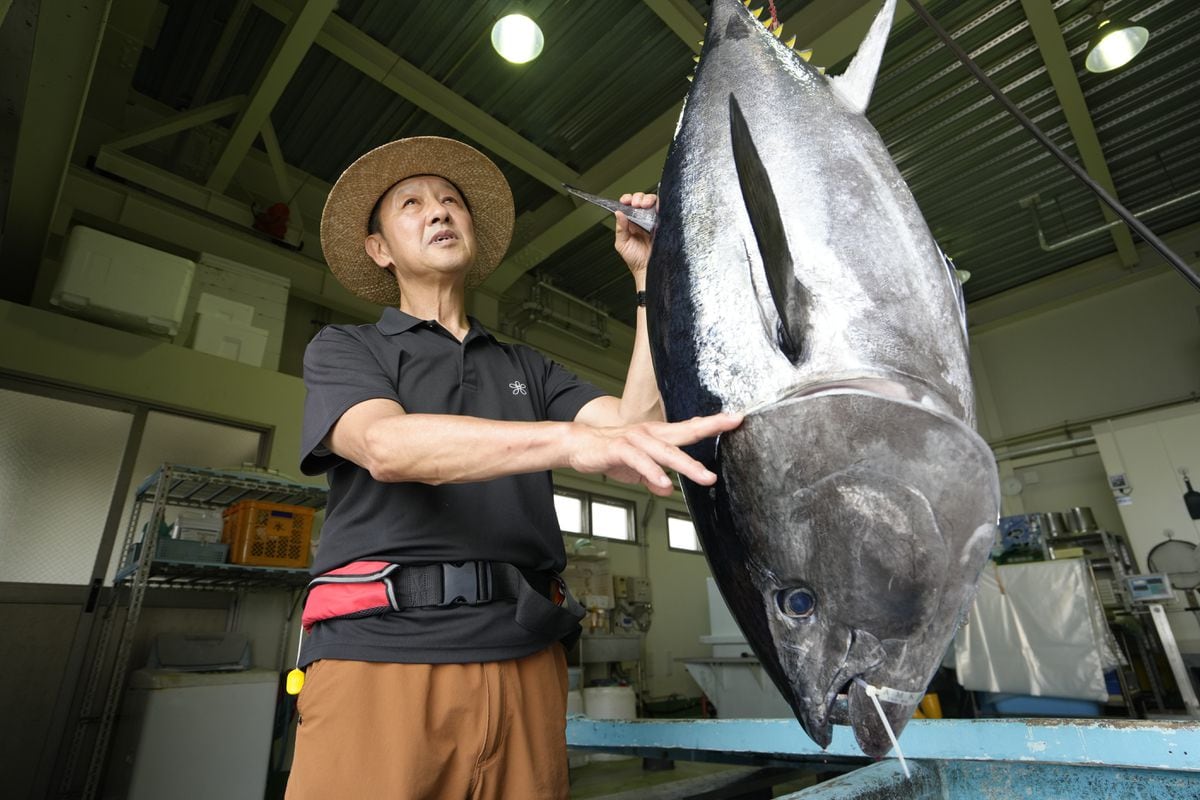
(791, 301)
(644, 218)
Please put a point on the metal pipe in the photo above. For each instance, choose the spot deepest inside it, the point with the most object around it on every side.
(1133, 222)
(1045, 448)
(1078, 237)
(1067, 425)
(574, 300)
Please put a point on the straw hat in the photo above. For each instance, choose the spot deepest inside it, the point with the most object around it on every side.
(348, 209)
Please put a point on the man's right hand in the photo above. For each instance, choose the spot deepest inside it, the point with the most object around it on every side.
(643, 452)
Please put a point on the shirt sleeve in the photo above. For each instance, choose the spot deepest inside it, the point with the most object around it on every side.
(339, 372)
(565, 392)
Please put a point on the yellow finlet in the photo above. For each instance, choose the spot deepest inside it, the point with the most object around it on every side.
(696, 59)
(791, 42)
(805, 54)
(778, 30)
(757, 12)
(690, 78)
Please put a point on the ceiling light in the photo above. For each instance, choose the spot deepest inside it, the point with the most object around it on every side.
(1114, 44)
(517, 38)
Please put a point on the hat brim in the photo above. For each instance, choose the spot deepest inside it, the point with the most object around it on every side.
(348, 209)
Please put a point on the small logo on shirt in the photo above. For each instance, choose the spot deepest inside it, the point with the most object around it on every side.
(517, 387)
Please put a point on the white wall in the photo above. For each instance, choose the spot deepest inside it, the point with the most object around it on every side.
(1150, 450)
(1052, 370)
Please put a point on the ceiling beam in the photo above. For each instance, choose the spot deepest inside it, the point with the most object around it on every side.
(1047, 31)
(297, 38)
(379, 62)
(182, 121)
(681, 18)
(66, 45)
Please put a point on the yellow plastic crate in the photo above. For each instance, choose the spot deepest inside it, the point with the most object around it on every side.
(267, 534)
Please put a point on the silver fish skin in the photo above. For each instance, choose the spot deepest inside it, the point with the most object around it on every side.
(793, 277)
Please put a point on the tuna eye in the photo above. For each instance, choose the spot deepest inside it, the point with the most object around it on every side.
(799, 603)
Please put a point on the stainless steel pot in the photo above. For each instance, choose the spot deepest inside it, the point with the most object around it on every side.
(1082, 520)
(1056, 524)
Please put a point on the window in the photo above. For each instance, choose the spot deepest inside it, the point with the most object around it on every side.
(681, 533)
(569, 508)
(594, 515)
(612, 519)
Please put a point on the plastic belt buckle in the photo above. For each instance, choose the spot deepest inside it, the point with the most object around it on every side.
(468, 583)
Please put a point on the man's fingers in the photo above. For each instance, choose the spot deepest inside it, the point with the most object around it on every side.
(652, 474)
(672, 457)
(695, 429)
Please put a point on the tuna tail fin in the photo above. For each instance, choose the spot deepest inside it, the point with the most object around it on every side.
(854, 85)
(791, 300)
(644, 218)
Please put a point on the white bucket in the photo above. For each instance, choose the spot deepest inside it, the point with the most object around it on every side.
(609, 702)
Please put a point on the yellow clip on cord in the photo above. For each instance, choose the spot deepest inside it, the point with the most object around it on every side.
(295, 678)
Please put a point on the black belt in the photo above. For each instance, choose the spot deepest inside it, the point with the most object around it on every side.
(469, 583)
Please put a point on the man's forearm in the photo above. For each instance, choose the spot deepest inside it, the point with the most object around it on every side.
(640, 400)
(442, 448)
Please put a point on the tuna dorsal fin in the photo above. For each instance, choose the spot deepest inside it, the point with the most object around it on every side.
(854, 85)
(791, 300)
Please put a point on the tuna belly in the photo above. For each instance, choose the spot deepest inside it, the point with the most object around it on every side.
(860, 523)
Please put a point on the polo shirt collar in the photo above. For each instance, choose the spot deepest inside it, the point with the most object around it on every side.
(394, 321)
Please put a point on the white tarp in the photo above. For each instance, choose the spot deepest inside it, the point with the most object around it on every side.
(1036, 629)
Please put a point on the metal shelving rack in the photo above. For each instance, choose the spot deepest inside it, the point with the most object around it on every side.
(185, 487)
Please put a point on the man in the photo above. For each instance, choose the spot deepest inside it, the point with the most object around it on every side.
(434, 668)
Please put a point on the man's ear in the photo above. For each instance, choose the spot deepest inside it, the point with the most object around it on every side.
(377, 249)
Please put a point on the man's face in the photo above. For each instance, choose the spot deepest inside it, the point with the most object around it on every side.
(425, 229)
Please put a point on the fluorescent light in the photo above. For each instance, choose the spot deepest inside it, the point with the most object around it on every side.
(1114, 45)
(517, 38)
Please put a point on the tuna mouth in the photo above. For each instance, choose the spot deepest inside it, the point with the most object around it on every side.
(897, 386)
(443, 236)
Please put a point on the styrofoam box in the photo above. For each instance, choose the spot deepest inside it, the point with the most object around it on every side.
(116, 281)
(231, 340)
(265, 292)
(213, 306)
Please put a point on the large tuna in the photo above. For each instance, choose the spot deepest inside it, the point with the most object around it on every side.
(793, 277)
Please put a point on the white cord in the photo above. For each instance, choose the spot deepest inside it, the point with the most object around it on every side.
(871, 693)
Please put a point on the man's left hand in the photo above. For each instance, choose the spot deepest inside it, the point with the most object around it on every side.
(632, 242)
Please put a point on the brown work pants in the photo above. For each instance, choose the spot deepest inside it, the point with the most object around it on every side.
(433, 731)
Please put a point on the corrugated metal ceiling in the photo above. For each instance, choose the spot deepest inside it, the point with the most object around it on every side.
(611, 68)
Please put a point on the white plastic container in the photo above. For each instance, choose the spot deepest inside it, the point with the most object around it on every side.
(122, 283)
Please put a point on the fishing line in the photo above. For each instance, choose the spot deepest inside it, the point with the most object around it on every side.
(874, 695)
(1133, 222)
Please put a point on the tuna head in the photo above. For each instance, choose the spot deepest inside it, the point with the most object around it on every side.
(862, 522)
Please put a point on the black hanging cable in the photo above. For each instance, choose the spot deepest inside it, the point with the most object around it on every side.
(1133, 222)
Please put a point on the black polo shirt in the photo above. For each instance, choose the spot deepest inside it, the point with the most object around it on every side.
(420, 365)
